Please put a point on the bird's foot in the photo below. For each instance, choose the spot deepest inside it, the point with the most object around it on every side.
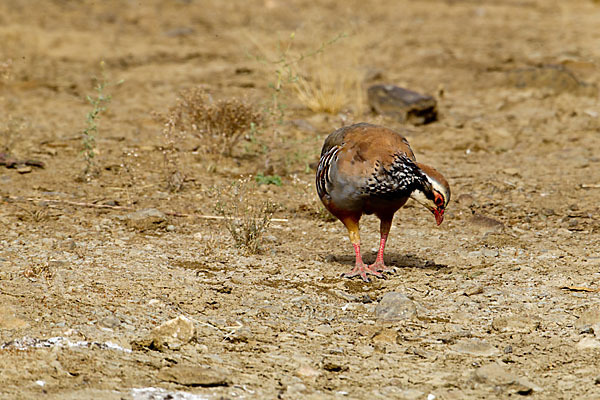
(379, 266)
(363, 270)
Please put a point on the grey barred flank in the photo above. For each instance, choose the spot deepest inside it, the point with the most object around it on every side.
(323, 169)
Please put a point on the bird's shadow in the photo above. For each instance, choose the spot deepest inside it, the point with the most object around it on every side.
(391, 259)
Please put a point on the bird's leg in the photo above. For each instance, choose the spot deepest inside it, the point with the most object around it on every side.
(378, 265)
(360, 269)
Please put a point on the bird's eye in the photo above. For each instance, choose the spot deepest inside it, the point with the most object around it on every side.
(439, 201)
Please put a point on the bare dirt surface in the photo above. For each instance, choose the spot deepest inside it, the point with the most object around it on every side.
(500, 300)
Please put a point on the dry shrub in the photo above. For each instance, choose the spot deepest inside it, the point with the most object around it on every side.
(244, 215)
(220, 124)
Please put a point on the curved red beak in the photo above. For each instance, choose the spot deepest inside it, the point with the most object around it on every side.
(439, 215)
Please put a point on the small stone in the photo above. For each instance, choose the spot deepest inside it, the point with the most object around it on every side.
(333, 364)
(147, 219)
(588, 343)
(515, 324)
(189, 375)
(170, 228)
(508, 349)
(110, 322)
(306, 372)
(498, 376)
(475, 347)
(486, 224)
(395, 306)
(589, 317)
(241, 335)
(465, 199)
(324, 329)
(511, 171)
(296, 389)
(490, 253)
(9, 321)
(24, 169)
(473, 290)
(170, 335)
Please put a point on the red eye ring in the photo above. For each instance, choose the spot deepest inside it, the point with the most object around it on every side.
(439, 201)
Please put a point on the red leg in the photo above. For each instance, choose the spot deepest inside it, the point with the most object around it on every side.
(360, 269)
(378, 265)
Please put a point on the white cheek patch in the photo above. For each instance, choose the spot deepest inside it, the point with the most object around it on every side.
(420, 197)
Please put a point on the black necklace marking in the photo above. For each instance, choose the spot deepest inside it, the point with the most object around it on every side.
(402, 177)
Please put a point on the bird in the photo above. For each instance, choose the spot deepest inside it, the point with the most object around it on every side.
(371, 169)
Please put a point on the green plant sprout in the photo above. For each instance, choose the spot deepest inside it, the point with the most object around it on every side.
(98, 102)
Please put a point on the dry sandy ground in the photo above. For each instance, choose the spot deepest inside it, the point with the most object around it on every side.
(501, 300)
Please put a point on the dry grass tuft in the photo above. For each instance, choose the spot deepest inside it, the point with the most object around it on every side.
(322, 86)
(246, 217)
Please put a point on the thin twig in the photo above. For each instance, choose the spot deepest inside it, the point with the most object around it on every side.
(72, 203)
(222, 217)
(590, 185)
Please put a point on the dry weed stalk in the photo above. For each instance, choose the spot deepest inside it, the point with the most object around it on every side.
(324, 79)
(245, 217)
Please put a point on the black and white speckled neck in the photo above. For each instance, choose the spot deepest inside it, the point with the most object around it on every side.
(401, 178)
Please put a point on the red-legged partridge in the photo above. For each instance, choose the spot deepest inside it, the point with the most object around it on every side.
(369, 169)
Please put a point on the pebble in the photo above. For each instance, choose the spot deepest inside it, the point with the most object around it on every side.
(475, 347)
(490, 253)
(110, 322)
(588, 317)
(170, 335)
(306, 372)
(498, 376)
(587, 343)
(515, 324)
(146, 219)
(395, 306)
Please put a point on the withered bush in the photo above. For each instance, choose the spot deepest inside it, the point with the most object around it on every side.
(219, 123)
(244, 216)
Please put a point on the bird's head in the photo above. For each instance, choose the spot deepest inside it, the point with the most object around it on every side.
(434, 193)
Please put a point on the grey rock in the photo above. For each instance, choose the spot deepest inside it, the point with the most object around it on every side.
(402, 104)
(191, 375)
(395, 307)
